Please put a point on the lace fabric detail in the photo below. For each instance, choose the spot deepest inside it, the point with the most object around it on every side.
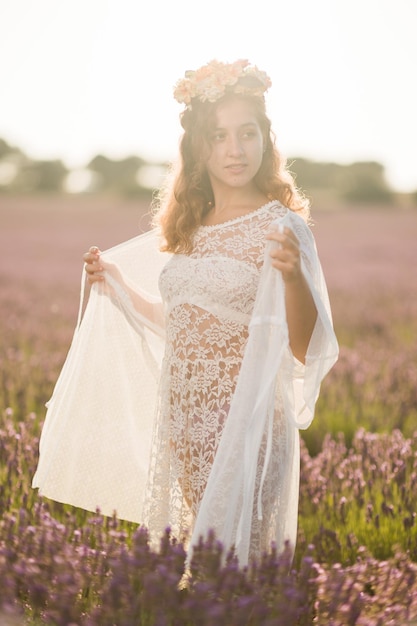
(209, 297)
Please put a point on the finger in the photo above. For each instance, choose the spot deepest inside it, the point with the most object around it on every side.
(286, 257)
(285, 236)
(278, 237)
(290, 271)
(285, 254)
(92, 255)
(274, 234)
(92, 269)
(92, 264)
(289, 233)
(292, 247)
(290, 240)
(93, 278)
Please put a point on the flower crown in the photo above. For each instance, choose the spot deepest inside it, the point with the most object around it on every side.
(210, 82)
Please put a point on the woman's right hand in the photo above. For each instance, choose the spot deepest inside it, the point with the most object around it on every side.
(93, 266)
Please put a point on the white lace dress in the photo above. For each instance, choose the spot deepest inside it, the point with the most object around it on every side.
(209, 297)
(207, 436)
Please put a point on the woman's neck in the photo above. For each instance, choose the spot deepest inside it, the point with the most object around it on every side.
(237, 200)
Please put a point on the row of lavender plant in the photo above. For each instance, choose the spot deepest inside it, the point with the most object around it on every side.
(364, 495)
(59, 565)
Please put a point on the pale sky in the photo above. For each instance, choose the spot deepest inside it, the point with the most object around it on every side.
(82, 77)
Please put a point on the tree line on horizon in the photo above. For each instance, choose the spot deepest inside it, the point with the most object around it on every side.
(359, 182)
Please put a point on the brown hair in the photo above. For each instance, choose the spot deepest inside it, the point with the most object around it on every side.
(187, 195)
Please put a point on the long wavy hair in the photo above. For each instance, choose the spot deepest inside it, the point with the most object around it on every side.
(187, 196)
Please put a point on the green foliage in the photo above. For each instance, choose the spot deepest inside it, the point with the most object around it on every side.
(28, 175)
(20, 174)
(311, 175)
(41, 176)
(6, 149)
(365, 182)
(117, 175)
(361, 182)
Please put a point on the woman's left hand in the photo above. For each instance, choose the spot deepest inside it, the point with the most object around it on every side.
(286, 256)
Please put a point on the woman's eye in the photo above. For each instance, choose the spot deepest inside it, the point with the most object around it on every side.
(218, 136)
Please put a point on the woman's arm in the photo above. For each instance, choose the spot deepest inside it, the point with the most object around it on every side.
(96, 267)
(300, 308)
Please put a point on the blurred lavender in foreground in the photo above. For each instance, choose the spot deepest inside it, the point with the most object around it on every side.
(64, 566)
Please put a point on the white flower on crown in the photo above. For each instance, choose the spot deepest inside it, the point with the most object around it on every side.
(210, 82)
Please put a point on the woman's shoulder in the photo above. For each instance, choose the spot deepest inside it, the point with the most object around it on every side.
(296, 221)
(273, 211)
(276, 210)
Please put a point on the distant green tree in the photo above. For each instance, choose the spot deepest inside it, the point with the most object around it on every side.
(358, 182)
(365, 182)
(117, 175)
(11, 160)
(30, 175)
(6, 149)
(312, 175)
(44, 176)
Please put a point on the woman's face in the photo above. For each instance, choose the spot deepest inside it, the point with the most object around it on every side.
(236, 145)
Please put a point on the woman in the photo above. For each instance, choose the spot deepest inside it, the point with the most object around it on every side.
(246, 327)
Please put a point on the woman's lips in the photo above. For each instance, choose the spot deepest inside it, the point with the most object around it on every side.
(236, 168)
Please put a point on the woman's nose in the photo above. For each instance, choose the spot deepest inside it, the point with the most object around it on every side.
(235, 146)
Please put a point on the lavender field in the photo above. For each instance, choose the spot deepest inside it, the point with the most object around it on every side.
(356, 557)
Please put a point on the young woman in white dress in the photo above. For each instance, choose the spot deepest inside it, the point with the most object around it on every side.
(246, 326)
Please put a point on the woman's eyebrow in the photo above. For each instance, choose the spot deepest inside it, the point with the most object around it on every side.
(245, 125)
